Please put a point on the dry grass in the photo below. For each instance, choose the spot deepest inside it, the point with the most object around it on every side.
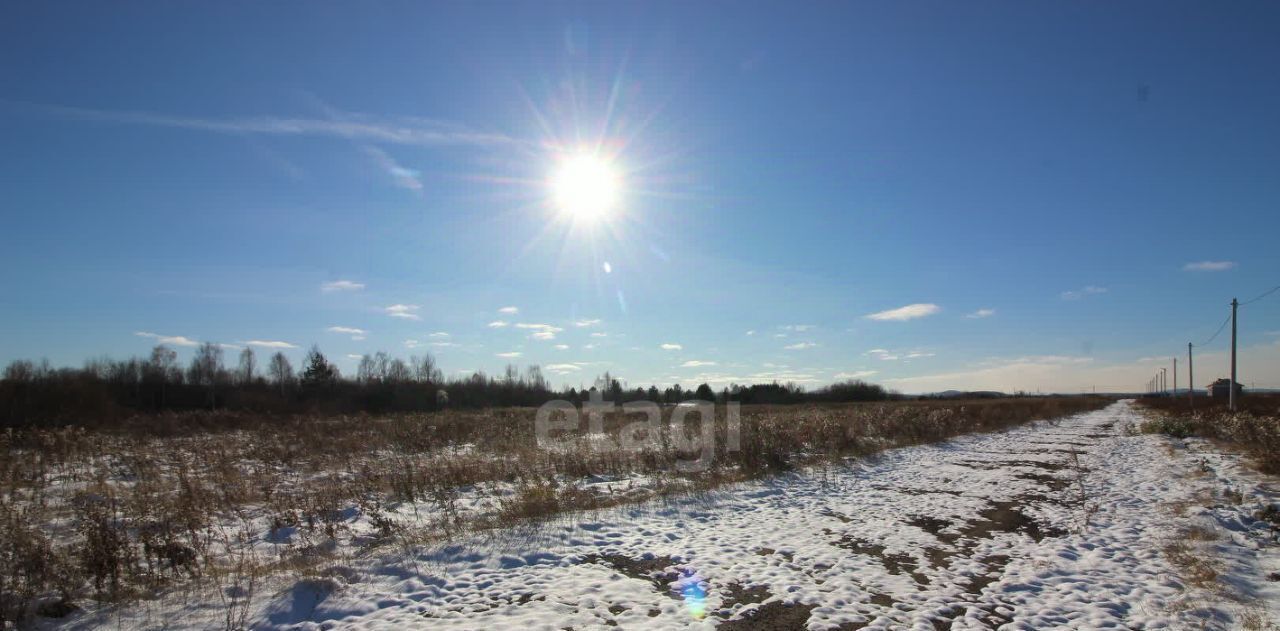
(221, 501)
(1255, 428)
(1196, 568)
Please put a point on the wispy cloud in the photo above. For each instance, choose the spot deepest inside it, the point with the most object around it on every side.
(695, 363)
(277, 344)
(404, 177)
(356, 334)
(751, 332)
(444, 344)
(858, 374)
(563, 368)
(599, 335)
(1209, 266)
(175, 340)
(561, 347)
(799, 328)
(799, 346)
(497, 324)
(439, 334)
(1088, 290)
(412, 344)
(408, 312)
(509, 310)
(882, 354)
(909, 312)
(982, 313)
(540, 331)
(584, 323)
(671, 347)
(510, 354)
(346, 125)
(341, 285)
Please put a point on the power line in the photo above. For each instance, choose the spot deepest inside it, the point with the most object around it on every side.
(1263, 295)
(1215, 335)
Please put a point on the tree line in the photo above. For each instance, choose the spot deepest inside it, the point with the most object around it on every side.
(104, 389)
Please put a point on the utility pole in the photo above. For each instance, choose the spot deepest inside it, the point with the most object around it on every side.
(1175, 378)
(1191, 379)
(1164, 381)
(1231, 400)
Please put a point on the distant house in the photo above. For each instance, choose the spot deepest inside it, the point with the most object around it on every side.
(1220, 389)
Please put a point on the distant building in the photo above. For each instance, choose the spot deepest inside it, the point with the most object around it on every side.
(1220, 388)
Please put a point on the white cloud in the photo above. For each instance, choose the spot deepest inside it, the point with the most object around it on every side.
(356, 334)
(582, 323)
(751, 332)
(408, 312)
(982, 313)
(439, 334)
(346, 330)
(341, 285)
(404, 177)
(230, 347)
(497, 324)
(799, 346)
(443, 344)
(799, 328)
(882, 354)
(412, 344)
(540, 331)
(563, 368)
(509, 310)
(510, 354)
(695, 363)
(1088, 290)
(175, 340)
(671, 347)
(268, 344)
(858, 374)
(561, 347)
(1209, 266)
(354, 356)
(909, 312)
(345, 125)
(599, 335)
(918, 354)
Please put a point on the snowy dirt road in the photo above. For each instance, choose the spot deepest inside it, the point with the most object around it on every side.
(1046, 526)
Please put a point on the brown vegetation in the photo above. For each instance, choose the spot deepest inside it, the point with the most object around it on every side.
(220, 498)
(1254, 427)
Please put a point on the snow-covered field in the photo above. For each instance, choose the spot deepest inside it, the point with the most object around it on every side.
(1065, 525)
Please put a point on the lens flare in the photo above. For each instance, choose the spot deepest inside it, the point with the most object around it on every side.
(694, 594)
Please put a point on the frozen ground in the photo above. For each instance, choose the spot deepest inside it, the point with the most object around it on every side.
(1045, 526)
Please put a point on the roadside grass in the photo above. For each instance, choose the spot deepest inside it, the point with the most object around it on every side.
(224, 500)
(1254, 428)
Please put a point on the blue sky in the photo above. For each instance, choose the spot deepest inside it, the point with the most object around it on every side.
(1038, 175)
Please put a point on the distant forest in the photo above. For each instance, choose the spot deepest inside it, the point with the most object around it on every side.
(105, 389)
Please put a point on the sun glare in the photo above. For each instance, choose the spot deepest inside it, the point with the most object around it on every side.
(585, 187)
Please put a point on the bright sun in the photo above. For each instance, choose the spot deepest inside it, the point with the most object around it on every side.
(585, 187)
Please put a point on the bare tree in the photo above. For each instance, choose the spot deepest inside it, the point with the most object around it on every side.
(248, 362)
(281, 371)
(162, 365)
(398, 371)
(425, 370)
(206, 369)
